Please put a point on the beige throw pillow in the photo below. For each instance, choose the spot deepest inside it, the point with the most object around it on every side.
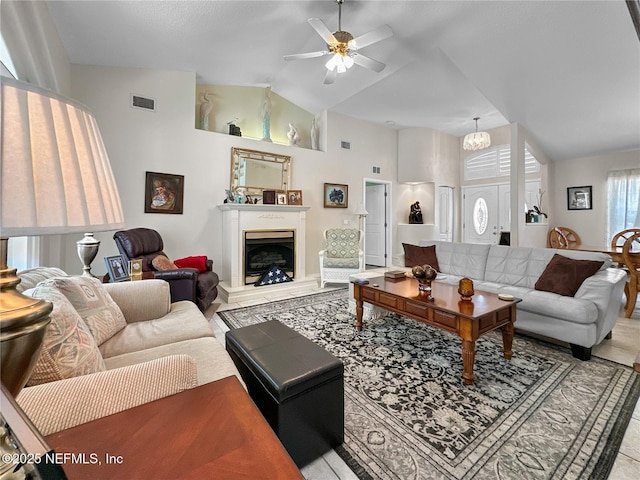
(94, 304)
(162, 263)
(68, 349)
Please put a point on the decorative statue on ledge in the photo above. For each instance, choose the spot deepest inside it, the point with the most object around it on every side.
(416, 213)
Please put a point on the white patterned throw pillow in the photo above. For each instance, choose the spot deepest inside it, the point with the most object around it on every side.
(94, 305)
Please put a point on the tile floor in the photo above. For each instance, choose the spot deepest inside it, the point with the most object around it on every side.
(622, 348)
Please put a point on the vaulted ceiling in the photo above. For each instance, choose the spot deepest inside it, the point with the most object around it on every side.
(567, 71)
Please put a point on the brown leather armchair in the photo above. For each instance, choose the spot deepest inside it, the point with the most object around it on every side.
(185, 283)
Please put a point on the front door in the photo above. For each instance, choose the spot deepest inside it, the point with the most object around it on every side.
(480, 214)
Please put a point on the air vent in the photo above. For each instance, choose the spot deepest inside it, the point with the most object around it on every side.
(142, 102)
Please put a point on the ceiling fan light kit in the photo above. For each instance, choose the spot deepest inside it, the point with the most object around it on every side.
(477, 140)
(342, 47)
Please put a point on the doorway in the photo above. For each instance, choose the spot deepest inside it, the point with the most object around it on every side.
(377, 223)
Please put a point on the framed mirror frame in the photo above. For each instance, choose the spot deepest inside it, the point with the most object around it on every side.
(253, 171)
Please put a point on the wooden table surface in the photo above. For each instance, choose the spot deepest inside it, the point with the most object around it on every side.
(212, 431)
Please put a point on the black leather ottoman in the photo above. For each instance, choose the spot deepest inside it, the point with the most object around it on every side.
(296, 384)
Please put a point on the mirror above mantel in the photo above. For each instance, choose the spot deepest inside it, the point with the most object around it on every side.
(253, 171)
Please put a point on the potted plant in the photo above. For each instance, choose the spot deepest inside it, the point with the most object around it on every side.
(535, 212)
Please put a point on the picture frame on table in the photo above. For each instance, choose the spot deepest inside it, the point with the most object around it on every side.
(294, 197)
(163, 193)
(281, 197)
(117, 268)
(336, 195)
(579, 198)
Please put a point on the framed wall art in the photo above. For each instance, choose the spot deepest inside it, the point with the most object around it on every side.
(294, 197)
(163, 193)
(579, 198)
(336, 195)
(117, 268)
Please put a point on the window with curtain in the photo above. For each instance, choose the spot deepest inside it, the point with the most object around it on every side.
(623, 201)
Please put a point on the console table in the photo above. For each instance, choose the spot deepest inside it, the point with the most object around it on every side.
(212, 431)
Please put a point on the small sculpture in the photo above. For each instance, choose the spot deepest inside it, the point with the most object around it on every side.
(266, 115)
(314, 134)
(416, 213)
(293, 136)
(205, 109)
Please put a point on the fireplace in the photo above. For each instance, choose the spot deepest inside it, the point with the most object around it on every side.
(265, 248)
(241, 218)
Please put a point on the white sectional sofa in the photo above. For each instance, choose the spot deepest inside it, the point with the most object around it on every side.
(583, 320)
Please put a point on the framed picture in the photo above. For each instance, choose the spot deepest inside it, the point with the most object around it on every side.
(269, 197)
(163, 193)
(281, 197)
(579, 198)
(294, 197)
(336, 195)
(117, 268)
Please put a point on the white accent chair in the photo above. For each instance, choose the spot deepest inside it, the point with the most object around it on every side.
(342, 257)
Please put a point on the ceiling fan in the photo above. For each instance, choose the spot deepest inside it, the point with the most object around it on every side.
(344, 48)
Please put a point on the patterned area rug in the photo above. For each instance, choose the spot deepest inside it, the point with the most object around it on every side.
(542, 415)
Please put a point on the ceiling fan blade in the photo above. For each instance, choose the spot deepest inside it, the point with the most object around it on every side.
(373, 36)
(367, 62)
(330, 77)
(300, 56)
(319, 26)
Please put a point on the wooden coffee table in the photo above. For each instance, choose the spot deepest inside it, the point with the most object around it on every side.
(484, 313)
(211, 431)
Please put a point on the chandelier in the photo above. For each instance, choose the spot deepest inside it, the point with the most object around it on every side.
(477, 140)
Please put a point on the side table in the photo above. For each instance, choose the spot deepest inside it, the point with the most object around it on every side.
(211, 431)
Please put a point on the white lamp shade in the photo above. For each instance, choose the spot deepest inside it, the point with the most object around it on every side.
(55, 172)
(360, 210)
(476, 141)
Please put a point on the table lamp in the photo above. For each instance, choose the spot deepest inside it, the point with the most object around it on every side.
(55, 178)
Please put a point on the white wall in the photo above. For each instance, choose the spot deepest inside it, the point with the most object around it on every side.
(35, 47)
(589, 224)
(166, 141)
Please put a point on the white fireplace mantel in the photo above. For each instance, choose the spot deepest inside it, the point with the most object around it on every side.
(241, 217)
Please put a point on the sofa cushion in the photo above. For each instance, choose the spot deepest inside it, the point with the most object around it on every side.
(462, 259)
(416, 255)
(94, 304)
(211, 358)
(197, 261)
(553, 305)
(68, 349)
(522, 266)
(183, 322)
(162, 263)
(565, 275)
(56, 406)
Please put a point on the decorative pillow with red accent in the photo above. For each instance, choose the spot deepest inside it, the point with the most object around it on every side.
(197, 261)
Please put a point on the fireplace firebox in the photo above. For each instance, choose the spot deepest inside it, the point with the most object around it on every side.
(265, 248)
